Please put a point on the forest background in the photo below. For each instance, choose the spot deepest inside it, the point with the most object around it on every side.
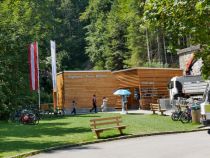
(94, 34)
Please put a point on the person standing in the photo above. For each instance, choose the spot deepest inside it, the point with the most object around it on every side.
(124, 104)
(94, 104)
(104, 104)
(73, 107)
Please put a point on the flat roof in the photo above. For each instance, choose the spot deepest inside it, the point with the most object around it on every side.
(130, 69)
(83, 71)
(146, 68)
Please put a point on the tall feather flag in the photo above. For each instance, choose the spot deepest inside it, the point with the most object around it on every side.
(53, 55)
(33, 66)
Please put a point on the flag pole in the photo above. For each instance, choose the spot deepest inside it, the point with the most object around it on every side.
(39, 99)
(39, 96)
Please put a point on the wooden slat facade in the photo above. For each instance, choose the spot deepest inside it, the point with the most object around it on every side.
(150, 82)
(60, 90)
(128, 79)
(153, 84)
(81, 85)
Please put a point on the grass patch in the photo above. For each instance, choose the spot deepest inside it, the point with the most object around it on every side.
(16, 138)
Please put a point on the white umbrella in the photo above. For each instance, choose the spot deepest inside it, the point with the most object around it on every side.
(122, 92)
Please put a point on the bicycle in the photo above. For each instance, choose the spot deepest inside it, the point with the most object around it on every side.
(175, 116)
(186, 115)
(28, 117)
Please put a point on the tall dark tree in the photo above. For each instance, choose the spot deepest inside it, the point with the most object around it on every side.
(96, 15)
(69, 34)
(112, 33)
(183, 23)
(21, 23)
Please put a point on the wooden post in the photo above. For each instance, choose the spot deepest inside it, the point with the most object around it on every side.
(55, 100)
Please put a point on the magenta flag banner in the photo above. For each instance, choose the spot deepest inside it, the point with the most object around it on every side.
(33, 66)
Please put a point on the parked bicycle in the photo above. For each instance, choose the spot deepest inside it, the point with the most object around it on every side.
(175, 116)
(186, 116)
(28, 117)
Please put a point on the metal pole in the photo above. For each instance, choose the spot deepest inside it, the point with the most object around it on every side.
(39, 99)
(148, 53)
(38, 79)
(164, 45)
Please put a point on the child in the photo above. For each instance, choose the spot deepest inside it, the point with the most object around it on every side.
(73, 107)
(104, 104)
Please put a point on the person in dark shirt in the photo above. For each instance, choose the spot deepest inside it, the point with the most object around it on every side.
(94, 104)
(73, 107)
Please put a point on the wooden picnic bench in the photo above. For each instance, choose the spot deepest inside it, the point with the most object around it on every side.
(157, 107)
(98, 125)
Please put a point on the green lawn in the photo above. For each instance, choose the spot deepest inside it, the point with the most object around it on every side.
(16, 139)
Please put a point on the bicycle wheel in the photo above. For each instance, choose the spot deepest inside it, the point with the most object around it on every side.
(175, 116)
(36, 121)
(184, 117)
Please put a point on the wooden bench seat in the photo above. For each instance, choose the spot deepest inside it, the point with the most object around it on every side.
(156, 107)
(98, 125)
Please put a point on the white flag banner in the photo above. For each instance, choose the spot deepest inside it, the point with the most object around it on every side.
(53, 57)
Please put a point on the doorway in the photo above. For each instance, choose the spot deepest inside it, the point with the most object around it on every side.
(133, 99)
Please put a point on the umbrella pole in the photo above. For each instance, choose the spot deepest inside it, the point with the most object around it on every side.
(123, 105)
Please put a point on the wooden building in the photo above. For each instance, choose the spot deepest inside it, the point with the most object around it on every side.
(82, 85)
(146, 84)
(150, 84)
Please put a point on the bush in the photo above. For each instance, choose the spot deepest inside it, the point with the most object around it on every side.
(4, 112)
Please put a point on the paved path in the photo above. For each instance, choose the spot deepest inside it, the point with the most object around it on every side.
(186, 145)
(168, 112)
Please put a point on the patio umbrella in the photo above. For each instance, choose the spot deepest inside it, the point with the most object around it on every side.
(122, 92)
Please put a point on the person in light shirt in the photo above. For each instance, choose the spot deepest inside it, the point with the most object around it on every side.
(104, 104)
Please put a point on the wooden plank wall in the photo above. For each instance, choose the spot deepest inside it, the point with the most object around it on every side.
(60, 90)
(127, 79)
(153, 84)
(81, 85)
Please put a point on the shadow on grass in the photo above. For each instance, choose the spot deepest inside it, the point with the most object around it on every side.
(52, 117)
(86, 115)
(18, 138)
(33, 138)
(19, 146)
(37, 131)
